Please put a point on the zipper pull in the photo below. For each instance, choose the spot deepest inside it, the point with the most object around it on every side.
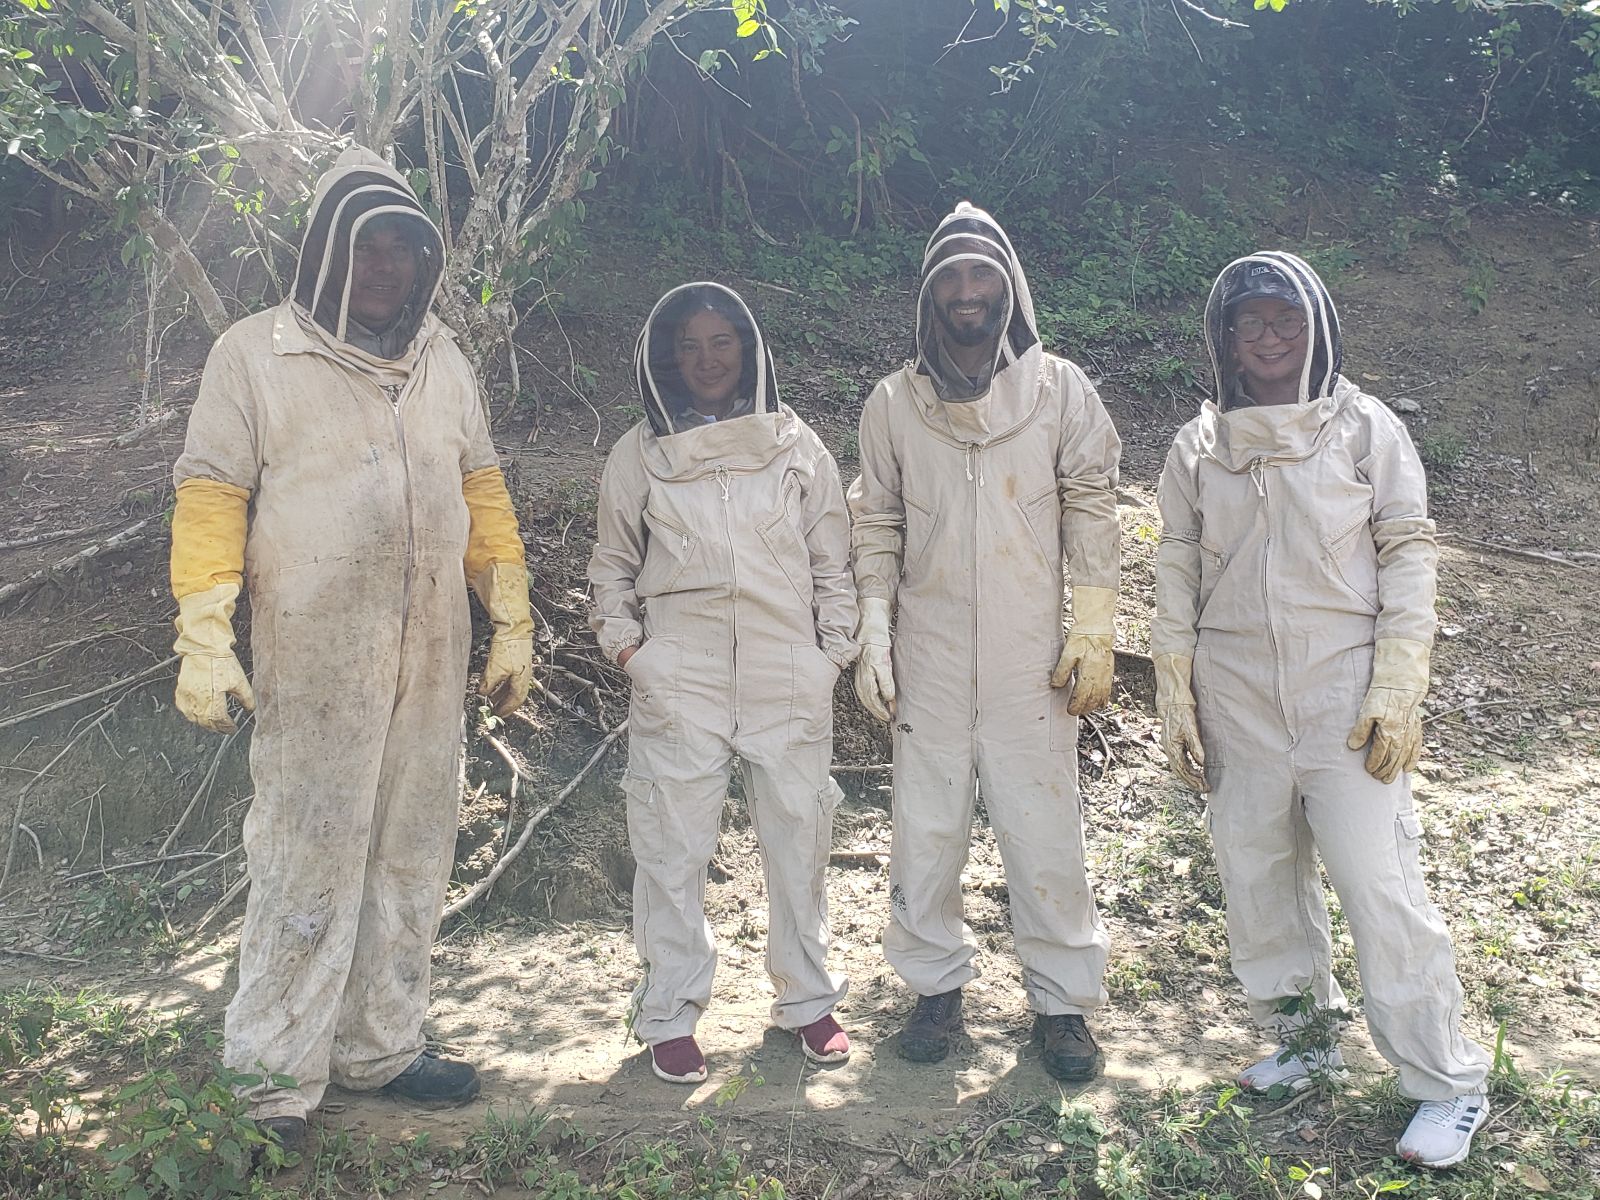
(392, 390)
(969, 462)
(1257, 466)
(685, 538)
(722, 478)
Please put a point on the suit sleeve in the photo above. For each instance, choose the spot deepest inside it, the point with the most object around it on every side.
(833, 589)
(1086, 474)
(1174, 630)
(1405, 537)
(877, 537)
(619, 550)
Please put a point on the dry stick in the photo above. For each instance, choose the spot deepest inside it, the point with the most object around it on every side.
(139, 432)
(68, 645)
(159, 861)
(511, 792)
(228, 897)
(843, 769)
(1450, 712)
(39, 539)
(38, 850)
(101, 691)
(22, 794)
(181, 876)
(94, 549)
(205, 784)
(483, 885)
(1516, 551)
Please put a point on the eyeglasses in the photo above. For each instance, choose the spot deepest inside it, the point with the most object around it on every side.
(1250, 329)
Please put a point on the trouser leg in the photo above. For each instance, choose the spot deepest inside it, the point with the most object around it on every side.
(792, 799)
(1370, 842)
(1031, 793)
(1278, 936)
(675, 792)
(926, 940)
(411, 855)
(306, 840)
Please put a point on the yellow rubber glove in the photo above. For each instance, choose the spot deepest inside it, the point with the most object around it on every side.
(1087, 661)
(209, 671)
(492, 535)
(508, 673)
(1391, 714)
(1180, 731)
(875, 667)
(208, 532)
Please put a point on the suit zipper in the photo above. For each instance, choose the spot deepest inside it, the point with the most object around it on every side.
(973, 456)
(733, 566)
(397, 394)
(1259, 475)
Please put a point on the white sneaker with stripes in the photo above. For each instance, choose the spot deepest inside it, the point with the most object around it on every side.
(1441, 1133)
(1294, 1071)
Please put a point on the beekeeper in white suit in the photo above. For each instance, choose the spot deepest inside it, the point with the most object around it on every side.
(986, 465)
(338, 463)
(1295, 614)
(721, 584)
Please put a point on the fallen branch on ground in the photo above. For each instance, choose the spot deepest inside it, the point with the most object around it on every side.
(160, 861)
(1567, 560)
(100, 691)
(40, 539)
(116, 541)
(139, 432)
(481, 888)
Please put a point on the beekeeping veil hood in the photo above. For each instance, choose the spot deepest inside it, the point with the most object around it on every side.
(359, 188)
(1274, 274)
(969, 234)
(667, 400)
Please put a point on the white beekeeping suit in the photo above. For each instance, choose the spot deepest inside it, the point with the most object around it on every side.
(1296, 575)
(346, 476)
(723, 555)
(973, 496)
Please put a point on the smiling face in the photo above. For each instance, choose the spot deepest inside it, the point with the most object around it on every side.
(1270, 365)
(711, 361)
(969, 300)
(383, 273)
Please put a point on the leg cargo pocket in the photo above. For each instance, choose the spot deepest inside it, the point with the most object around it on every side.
(1408, 844)
(646, 837)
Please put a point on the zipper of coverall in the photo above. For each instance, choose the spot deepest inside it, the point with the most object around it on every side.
(1258, 476)
(733, 566)
(397, 395)
(974, 454)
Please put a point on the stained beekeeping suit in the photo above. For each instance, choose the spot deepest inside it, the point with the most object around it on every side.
(721, 584)
(337, 458)
(1295, 613)
(987, 465)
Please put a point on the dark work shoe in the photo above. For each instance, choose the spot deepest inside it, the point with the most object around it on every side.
(288, 1132)
(926, 1036)
(434, 1080)
(1069, 1050)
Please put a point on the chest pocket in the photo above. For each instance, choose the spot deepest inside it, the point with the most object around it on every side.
(670, 548)
(783, 535)
(1042, 511)
(1352, 556)
(921, 520)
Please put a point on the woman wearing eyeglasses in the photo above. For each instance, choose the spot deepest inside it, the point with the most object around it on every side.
(1294, 619)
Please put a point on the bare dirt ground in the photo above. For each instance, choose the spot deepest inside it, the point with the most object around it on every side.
(533, 985)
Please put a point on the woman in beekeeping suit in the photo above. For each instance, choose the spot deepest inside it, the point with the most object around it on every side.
(1294, 619)
(721, 584)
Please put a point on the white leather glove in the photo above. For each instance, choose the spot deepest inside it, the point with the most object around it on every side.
(874, 669)
(1391, 714)
(1180, 731)
(1087, 661)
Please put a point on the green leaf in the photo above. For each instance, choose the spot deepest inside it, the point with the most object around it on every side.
(165, 1169)
(746, 28)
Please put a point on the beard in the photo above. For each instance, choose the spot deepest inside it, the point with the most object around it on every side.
(971, 335)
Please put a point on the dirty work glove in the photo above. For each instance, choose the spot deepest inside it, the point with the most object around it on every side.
(209, 671)
(1087, 660)
(1180, 732)
(1391, 714)
(874, 669)
(508, 673)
